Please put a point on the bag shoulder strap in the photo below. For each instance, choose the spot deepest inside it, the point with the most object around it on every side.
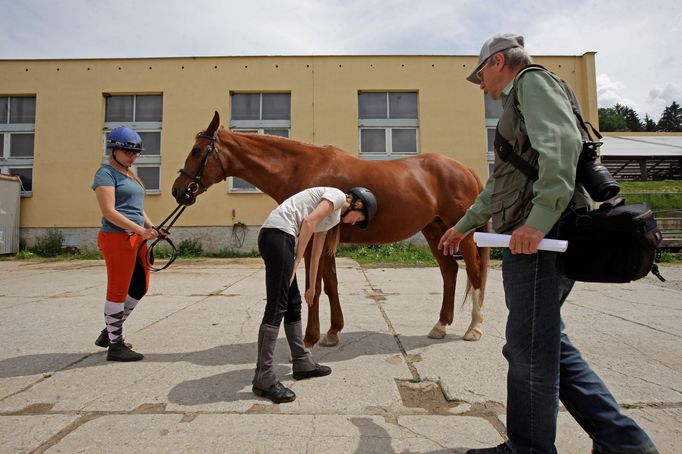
(567, 90)
(506, 153)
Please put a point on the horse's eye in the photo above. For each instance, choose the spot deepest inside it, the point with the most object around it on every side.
(195, 151)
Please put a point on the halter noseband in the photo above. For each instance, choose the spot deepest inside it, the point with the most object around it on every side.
(196, 177)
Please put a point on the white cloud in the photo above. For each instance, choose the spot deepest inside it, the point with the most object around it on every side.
(631, 62)
(659, 99)
(610, 93)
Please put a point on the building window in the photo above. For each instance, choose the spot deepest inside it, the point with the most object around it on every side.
(388, 124)
(493, 112)
(17, 133)
(143, 113)
(259, 113)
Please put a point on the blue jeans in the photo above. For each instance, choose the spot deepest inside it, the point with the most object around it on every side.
(544, 366)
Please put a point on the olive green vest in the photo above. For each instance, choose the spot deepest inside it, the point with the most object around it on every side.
(511, 199)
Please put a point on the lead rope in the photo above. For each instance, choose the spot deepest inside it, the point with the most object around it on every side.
(165, 231)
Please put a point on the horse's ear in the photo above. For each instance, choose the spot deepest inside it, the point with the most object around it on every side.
(215, 123)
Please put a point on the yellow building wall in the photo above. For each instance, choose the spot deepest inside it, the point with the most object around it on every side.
(324, 110)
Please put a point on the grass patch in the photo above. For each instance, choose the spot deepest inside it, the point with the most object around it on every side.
(658, 195)
(673, 258)
(396, 253)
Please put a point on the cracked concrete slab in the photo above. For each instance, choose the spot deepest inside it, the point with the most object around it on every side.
(392, 389)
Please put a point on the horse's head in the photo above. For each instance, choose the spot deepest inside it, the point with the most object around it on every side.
(203, 166)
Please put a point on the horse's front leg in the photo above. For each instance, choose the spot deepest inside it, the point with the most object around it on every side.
(331, 288)
(448, 270)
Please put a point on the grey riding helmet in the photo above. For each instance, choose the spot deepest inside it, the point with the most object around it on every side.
(369, 201)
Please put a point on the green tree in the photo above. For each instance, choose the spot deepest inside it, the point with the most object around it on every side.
(649, 124)
(611, 120)
(671, 120)
(631, 118)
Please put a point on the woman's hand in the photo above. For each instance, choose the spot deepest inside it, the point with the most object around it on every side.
(149, 233)
(293, 271)
(310, 296)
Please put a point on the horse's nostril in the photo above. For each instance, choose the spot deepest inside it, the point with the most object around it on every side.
(174, 192)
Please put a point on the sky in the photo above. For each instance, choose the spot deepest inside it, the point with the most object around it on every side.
(637, 43)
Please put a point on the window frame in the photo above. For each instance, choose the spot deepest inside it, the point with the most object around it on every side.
(7, 130)
(256, 126)
(145, 159)
(491, 107)
(388, 124)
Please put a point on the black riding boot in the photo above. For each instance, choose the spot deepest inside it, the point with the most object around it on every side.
(303, 364)
(265, 382)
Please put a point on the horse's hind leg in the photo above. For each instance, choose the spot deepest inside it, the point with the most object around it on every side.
(475, 286)
(331, 288)
(448, 270)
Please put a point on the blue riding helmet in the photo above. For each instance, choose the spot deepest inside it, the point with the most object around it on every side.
(125, 138)
(369, 202)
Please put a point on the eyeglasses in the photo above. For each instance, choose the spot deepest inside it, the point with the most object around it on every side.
(486, 62)
(132, 152)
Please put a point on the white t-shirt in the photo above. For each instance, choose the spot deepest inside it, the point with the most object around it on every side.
(289, 216)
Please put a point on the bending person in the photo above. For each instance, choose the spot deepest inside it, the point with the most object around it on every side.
(309, 214)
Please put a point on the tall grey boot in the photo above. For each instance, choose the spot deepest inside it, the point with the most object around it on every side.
(265, 381)
(303, 364)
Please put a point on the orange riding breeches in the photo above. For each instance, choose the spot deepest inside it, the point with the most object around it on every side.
(125, 273)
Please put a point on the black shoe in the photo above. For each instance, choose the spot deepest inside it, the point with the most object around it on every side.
(649, 449)
(118, 351)
(319, 371)
(499, 449)
(277, 393)
(103, 340)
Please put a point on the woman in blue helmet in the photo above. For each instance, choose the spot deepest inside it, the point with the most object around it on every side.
(314, 213)
(122, 239)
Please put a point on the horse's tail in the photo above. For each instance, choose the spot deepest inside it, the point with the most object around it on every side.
(477, 279)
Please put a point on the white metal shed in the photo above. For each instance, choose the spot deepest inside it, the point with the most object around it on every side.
(10, 194)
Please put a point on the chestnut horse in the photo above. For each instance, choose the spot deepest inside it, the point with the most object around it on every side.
(427, 193)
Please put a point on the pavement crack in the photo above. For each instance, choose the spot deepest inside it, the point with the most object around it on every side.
(608, 314)
(378, 296)
(59, 436)
(205, 297)
(47, 376)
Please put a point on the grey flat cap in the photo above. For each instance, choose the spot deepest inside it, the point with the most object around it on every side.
(494, 45)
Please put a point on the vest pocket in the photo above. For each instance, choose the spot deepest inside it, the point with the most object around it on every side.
(508, 210)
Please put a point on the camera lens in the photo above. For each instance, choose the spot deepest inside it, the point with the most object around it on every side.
(596, 178)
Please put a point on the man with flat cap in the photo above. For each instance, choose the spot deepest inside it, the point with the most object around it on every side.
(538, 126)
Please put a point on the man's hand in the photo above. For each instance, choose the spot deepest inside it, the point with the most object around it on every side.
(525, 240)
(450, 240)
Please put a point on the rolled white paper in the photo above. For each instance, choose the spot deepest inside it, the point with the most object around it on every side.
(499, 240)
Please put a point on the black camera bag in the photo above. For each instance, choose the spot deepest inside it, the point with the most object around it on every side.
(615, 243)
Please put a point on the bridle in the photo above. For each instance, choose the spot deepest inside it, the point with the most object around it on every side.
(196, 177)
(196, 181)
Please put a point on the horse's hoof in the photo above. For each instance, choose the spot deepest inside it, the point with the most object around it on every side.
(473, 334)
(328, 341)
(437, 332)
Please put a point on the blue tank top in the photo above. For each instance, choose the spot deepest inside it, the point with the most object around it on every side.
(129, 196)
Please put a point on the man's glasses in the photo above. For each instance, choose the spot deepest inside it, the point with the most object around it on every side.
(486, 62)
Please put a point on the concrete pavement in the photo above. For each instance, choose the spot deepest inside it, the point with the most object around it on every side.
(392, 389)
